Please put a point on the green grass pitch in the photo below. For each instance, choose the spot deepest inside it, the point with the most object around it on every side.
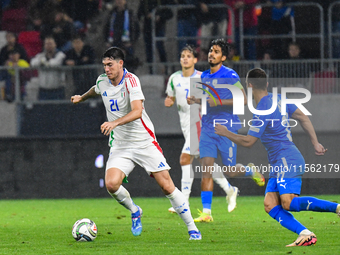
(44, 227)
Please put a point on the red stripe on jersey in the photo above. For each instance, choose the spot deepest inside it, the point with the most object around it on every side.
(198, 126)
(127, 88)
(132, 80)
(152, 135)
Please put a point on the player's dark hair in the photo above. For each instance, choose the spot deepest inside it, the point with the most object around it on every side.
(114, 53)
(258, 78)
(223, 44)
(191, 49)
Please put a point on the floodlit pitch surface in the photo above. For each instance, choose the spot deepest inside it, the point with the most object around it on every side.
(44, 227)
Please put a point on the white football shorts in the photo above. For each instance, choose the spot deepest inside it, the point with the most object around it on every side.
(151, 158)
(192, 138)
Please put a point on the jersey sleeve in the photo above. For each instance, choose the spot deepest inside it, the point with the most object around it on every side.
(258, 125)
(134, 89)
(170, 88)
(235, 80)
(291, 108)
(231, 78)
(96, 87)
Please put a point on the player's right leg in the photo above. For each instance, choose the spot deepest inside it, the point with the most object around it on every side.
(118, 166)
(113, 181)
(208, 154)
(207, 186)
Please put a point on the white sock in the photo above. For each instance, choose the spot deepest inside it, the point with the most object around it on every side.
(181, 206)
(305, 232)
(337, 209)
(206, 210)
(187, 179)
(123, 197)
(221, 180)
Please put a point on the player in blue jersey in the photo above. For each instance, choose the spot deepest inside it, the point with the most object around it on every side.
(178, 88)
(210, 143)
(287, 163)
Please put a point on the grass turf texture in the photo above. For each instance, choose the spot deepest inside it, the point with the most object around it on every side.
(44, 227)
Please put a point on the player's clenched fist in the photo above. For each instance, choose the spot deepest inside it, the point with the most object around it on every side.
(76, 99)
(169, 101)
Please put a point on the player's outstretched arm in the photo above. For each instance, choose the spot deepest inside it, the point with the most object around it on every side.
(169, 101)
(242, 140)
(309, 129)
(77, 98)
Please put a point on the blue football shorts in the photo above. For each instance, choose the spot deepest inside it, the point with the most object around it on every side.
(286, 175)
(211, 144)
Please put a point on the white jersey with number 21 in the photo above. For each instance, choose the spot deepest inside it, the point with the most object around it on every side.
(117, 101)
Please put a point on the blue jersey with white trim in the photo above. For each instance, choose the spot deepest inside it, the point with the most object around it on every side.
(224, 75)
(273, 129)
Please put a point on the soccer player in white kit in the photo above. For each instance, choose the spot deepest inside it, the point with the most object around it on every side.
(132, 140)
(178, 89)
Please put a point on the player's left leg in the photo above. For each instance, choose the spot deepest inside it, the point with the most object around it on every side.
(187, 176)
(297, 204)
(231, 191)
(178, 202)
(272, 204)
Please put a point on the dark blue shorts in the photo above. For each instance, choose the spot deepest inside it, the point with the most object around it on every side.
(211, 144)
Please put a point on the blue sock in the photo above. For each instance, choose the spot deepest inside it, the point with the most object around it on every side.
(311, 204)
(206, 197)
(249, 172)
(286, 219)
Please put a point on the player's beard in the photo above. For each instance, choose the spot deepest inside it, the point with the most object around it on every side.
(213, 64)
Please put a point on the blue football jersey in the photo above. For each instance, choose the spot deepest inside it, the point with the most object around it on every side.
(228, 76)
(273, 129)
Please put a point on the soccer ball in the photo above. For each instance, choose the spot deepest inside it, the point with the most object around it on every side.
(84, 230)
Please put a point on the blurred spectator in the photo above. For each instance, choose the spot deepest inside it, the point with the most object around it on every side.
(294, 51)
(14, 17)
(249, 25)
(213, 20)
(162, 15)
(233, 54)
(44, 10)
(12, 44)
(61, 29)
(187, 25)
(282, 22)
(122, 30)
(232, 58)
(50, 78)
(80, 55)
(80, 11)
(14, 60)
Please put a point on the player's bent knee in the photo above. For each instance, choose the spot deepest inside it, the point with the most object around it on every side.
(286, 205)
(268, 205)
(112, 185)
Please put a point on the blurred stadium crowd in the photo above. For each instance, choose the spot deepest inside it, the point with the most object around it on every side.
(74, 33)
